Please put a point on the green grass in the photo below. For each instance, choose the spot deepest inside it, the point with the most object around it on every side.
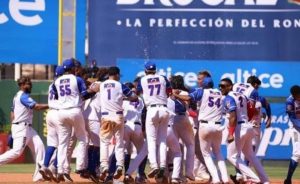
(274, 169)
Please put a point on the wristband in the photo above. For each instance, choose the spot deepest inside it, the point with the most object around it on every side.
(231, 130)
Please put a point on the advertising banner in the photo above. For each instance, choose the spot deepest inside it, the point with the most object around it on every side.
(29, 31)
(277, 77)
(242, 30)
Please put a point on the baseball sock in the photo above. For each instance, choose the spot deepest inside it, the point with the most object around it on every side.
(90, 158)
(292, 167)
(49, 152)
(55, 162)
(142, 166)
(127, 161)
(97, 156)
(112, 165)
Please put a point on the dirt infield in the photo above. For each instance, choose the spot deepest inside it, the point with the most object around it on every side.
(27, 178)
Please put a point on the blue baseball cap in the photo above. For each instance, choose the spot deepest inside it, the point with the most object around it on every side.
(150, 65)
(59, 71)
(68, 64)
(208, 82)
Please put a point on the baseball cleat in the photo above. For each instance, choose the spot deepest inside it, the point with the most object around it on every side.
(68, 178)
(60, 178)
(153, 172)
(104, 172)
(128, 179)
(141, 179)
(287, 181)
(176, 181)
(94, 177)
(51, 174)
(42, 171)
(192, 178)
(118, 172)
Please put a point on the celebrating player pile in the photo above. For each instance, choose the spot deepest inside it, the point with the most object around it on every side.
(154, 116)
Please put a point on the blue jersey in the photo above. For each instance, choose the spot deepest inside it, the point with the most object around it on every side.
(293, 110)
(22, 107)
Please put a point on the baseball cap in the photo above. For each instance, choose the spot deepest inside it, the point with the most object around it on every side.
(68, 64)
(59, 71)
(150, 65)
(208, 82)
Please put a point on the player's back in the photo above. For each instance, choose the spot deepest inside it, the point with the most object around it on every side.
(246, 89)
(211, 105)
(241, 106)
(154, 89)
(68, 91)
(133, 110)
(111, 96)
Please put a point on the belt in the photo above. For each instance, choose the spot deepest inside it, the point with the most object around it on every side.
(19, 123)
(217, 122)
(158, 105)
(137, 123)
(240, 122)
(181, 113)
(106, 113)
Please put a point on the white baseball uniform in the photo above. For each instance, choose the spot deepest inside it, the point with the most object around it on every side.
(184, 131)
(23, 134)
(70, 90)
(92, 117)
(174, 154)
(133, 134)
(293, 110)
(210, 130)
(154, 88)
(112, 119)
(52, 119)
(243, 136)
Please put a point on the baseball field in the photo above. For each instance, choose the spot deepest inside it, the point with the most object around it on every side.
(22, 173)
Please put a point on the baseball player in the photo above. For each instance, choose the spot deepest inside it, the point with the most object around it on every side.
(293, 110)
(92, 116)
(254, 105)
(70, 91)
(133, 133)
(210, 130)
(155, 89)
(174, 154)
(182, 126)
(240, 133)
(200, 169)
(52, 136)
(22, 132)
(112, 120)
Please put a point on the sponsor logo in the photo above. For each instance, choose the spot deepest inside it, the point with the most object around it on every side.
(171, 3)
(24, 13)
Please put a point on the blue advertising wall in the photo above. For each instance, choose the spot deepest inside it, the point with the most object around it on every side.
(263, 30)
(229, 38)
(277, 77)
(29, 31)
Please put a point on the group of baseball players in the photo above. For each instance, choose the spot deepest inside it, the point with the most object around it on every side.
(158, 117)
